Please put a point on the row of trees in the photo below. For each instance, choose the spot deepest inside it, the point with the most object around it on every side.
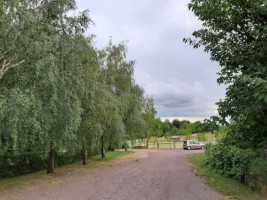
(58, 93)
(184, 127)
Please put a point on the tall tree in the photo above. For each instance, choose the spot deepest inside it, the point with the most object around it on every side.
(134, 122)
(235, 35)
(149, 113)
(88, 62)
(47, 39)
(116, 77)
(176, 123)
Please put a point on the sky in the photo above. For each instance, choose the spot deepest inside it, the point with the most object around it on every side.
(182, 80)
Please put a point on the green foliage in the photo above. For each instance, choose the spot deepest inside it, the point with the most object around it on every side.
(111, 155)
(167, 128)
(186, 129)
(65, 158)
(24, 163)
(11, 182)
(14, 165)
(201, 137)
(230, 161)
(176, 123)
(234, 33)
(257, 178)
(167, 122)
(220, 183)
(57, 92)
(149, 113)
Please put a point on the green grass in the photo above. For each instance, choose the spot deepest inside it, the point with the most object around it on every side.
(110, 155)
(220, 183)
(43, 176)
(17, 181)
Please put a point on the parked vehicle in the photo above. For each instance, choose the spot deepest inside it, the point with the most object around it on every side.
(192, 144)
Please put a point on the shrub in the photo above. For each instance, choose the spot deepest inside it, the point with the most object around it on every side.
(66, 158)
(14, 165)
(25, 163)
(257, 177)
(230, 161)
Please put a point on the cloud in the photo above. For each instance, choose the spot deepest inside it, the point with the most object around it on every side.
(181, 79)
(176, 98)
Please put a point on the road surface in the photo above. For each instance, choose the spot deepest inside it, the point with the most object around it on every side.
(157, 175)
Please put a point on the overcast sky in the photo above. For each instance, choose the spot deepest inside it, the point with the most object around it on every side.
(181, 79)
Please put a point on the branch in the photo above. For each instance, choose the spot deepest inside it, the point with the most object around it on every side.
(6, 65)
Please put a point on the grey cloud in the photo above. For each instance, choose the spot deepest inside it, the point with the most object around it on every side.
(173, 101)
(181, 79)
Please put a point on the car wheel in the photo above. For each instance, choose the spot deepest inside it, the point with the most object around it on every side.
(189, 148)
(202, 147)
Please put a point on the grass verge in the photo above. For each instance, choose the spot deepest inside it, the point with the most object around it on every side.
(110, 155)
(220, 183)
(93, 162)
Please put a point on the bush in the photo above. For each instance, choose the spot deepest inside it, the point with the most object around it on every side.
(25, 163)
(123, 146)
(257, 177)
(14, 165)
(66, 158)
(230, 161)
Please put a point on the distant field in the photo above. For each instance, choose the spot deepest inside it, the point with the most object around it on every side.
(165, 144)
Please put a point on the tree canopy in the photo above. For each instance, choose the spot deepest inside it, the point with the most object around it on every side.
(58, 93)
(234, 33)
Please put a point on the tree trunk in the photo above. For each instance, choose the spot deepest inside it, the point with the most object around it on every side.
(84, 156)
(147, 139)
(50, 168)
(84, 151)
(103, 148)
(125, 145)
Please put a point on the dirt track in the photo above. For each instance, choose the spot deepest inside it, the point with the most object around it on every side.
(156, 175)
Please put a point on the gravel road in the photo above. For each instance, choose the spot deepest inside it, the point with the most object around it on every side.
(157, 175)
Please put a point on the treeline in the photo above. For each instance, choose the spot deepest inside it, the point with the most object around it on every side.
(184, 127)
(59, 95)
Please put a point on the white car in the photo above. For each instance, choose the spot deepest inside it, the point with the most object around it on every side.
(192, 144)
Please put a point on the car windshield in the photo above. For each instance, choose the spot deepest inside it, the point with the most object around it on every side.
(185, 142)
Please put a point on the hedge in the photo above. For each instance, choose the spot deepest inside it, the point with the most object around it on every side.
(25, 163)
(230, 160)
(14, 165)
